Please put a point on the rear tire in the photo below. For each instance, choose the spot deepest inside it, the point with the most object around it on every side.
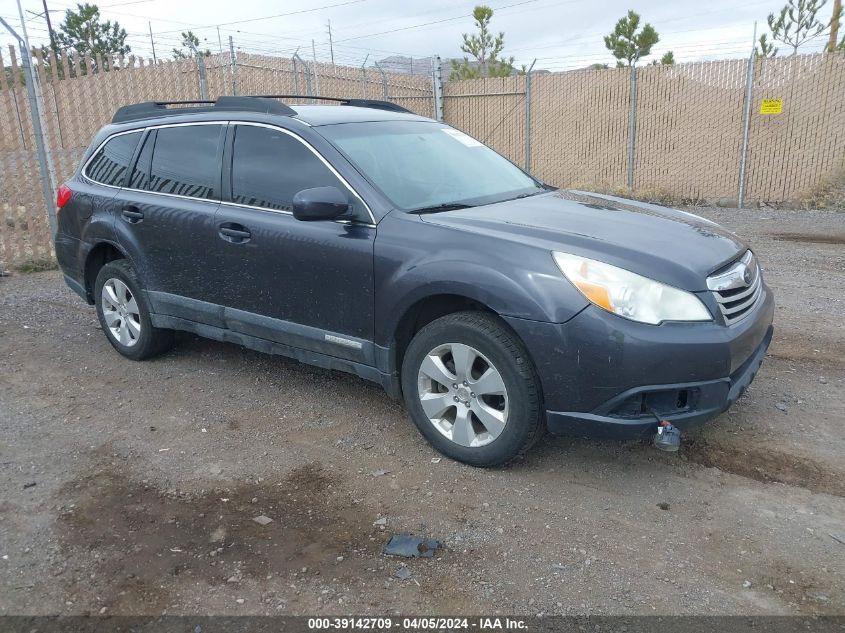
(472, 390)
(124, 313)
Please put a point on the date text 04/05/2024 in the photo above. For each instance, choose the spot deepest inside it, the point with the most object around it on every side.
(417, 623)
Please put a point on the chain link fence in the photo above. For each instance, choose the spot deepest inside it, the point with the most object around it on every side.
(674, 132)
(679, 132)
(78, 95)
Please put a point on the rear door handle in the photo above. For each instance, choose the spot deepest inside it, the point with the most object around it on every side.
(133, 215)
(235, 233)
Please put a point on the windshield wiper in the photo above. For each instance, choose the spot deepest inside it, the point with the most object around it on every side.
(437, 208)
(528, 195)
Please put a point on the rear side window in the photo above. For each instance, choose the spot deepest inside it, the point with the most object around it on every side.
(269, 167)
(109, 164)
(184, 161)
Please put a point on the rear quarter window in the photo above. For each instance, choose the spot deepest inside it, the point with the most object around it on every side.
(111, 162)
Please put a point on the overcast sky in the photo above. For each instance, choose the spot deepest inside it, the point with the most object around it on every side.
(561, 34)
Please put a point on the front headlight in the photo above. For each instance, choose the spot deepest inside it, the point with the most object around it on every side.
(630, 295)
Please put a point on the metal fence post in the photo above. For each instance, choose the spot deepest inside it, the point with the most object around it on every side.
(233, 65)
(384, 92)
(437, 80)
(364, 77)
(295, 72)
(316, 70)
(45, 160)
(746, 123)
(202, 72)
(632, 127)
(307, 74)
(528, 117)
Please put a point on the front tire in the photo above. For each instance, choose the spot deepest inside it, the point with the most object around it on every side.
(472, 390)
(124, 313)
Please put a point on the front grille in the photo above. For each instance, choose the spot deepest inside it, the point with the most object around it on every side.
(738, 288)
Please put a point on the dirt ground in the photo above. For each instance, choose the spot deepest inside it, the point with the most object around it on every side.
(131, 488)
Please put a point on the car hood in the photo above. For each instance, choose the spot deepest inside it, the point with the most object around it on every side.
(672, 246)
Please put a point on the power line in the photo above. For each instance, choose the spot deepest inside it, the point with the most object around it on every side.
(279, 15)
(424, 24)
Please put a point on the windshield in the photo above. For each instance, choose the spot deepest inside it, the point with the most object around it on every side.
(422, 165)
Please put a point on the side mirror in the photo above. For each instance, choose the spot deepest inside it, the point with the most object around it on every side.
(320, 203)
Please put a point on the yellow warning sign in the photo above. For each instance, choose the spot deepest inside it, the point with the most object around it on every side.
(771, 106)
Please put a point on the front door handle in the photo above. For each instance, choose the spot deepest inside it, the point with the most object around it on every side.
(235, 233)
(133, 215)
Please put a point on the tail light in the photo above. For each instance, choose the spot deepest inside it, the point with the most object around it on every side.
(63, 196)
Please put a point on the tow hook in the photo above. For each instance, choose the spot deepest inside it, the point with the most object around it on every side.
(668, 437)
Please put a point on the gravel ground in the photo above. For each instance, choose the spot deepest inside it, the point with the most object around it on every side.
(131, 488)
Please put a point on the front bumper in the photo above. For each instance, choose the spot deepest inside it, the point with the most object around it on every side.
(710, 399)
(604, 376)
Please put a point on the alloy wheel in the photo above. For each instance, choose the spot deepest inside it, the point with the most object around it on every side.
(121, 313)
(463, 394)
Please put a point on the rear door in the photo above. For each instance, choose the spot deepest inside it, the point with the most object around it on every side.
(90, 215)
(305, 284)
(165, 220)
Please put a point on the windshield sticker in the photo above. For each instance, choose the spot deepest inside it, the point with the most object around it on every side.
(463, 138)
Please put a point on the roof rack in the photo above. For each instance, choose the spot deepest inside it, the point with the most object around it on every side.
(266, 104)
(358, 103)
(149, 109)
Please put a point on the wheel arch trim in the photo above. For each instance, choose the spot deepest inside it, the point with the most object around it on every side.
(89, 276)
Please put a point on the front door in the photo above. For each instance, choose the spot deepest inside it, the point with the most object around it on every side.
(304, 284)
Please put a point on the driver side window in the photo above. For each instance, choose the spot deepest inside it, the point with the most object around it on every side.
(270, 167)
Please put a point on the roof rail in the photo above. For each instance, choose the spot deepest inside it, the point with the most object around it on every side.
(360, 103)
(266, 104)
(379, 105)
(151, 109)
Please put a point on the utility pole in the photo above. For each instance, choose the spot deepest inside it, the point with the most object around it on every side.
(50, 27)
(331, 46)
(219, 41)
(152, 42)
(834, 25)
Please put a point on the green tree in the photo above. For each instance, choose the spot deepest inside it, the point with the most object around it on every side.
(765, 48)
(189, 40)
(798, 23)
(668, 59)
(627, 44)
(82, 31)
(485, 49)
(598, 66)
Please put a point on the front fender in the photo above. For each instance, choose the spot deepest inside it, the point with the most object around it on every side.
(415, 260)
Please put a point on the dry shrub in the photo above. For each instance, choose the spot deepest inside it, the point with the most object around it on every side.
(36, 265)
(829, 192)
